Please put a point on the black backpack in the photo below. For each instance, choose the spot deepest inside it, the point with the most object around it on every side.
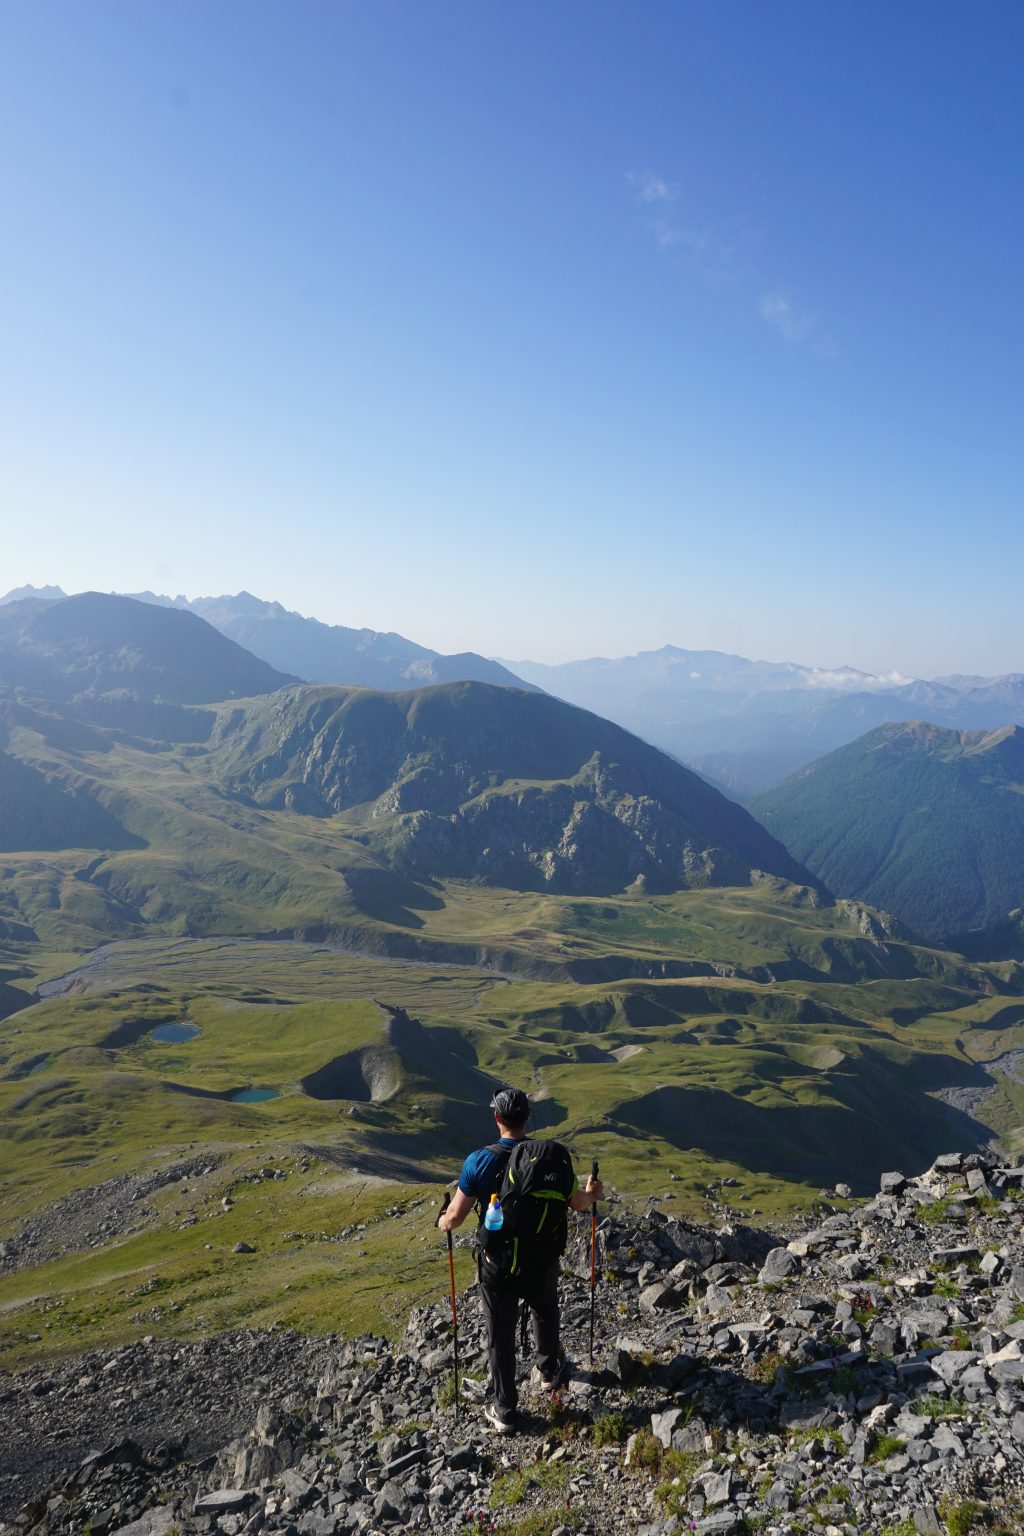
(534, 1194)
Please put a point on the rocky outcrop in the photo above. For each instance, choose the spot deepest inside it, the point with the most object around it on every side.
(496, 784)
(858, 1375)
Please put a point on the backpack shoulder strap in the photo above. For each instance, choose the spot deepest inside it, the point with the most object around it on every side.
(504, 1154)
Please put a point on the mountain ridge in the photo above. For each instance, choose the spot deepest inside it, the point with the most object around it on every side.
(749, 724)
(743, 724)
(469, 780)
(311, 651)
(922, 820)
(98, 646)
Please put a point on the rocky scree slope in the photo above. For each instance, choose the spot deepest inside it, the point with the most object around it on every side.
(497, 784)
(867, 1376)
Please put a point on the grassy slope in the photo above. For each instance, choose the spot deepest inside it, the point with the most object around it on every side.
(782, 1086)
(806, 1056)
(924, 822)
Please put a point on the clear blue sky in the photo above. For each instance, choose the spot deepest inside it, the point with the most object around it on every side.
(543, 329)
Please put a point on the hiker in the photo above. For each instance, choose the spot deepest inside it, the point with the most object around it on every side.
(522, 1261)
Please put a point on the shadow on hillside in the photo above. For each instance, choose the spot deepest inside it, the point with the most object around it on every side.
(130, 1031)
(372, 1162)
(388, 897)
(879, 1118)
(451, 1129)
(368, 1075)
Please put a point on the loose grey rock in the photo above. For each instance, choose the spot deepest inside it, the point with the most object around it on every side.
(225, 1501)
(778, 1265)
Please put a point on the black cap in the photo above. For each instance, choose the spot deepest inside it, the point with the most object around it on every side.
(512, 1105)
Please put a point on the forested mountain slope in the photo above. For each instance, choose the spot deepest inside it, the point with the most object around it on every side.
(925, 822)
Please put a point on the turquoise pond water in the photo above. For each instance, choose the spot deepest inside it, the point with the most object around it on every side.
(254, 1095)
(174, 1034)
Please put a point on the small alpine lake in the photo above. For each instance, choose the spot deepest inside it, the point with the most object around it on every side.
(254, 1095)
(174, 1034)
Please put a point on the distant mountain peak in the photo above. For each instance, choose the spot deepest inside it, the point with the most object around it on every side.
(104, 645)
(334, 653)
(43, 594)
(503, 785)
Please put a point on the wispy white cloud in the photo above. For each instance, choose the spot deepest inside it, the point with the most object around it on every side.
(725, 260)
(795, 323)
(847, 678)
(706, 251)
(649, 187)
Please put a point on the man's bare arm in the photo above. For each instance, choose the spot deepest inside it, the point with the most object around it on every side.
(458, 1209)
(583, 1199)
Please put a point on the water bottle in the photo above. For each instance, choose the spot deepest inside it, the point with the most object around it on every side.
(494, 1218)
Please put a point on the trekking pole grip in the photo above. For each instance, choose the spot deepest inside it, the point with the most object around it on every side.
(444, 1206)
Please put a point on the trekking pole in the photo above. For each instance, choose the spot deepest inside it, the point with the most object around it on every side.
(455, 1314)
(593, 1265)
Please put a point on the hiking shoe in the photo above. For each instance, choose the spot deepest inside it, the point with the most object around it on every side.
(498, 1422)
(563, 1373)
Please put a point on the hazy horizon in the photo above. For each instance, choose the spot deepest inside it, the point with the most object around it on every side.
(832, 670)
(546, 333)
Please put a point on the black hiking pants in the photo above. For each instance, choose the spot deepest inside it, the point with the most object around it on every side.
(501, 1312)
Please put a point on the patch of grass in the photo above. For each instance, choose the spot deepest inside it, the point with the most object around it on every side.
(678, 1469)
(769, 1365)
(402, 1431)
(540, 1523)
(935, 1214)
(647, 1452)
(883, 1447)
(845, 1379)
(905, 1528)
(944, 1286)
(511, 1488)
(964, 1517)
(939, 1407)
(610, 1429)
(562, 1415)
(830, 1437)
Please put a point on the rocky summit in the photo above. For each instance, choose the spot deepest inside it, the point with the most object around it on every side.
(862, 1374)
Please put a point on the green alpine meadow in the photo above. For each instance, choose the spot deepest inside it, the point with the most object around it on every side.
(308, 930)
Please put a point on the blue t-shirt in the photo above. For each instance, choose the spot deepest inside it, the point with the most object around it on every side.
(483, 1171)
